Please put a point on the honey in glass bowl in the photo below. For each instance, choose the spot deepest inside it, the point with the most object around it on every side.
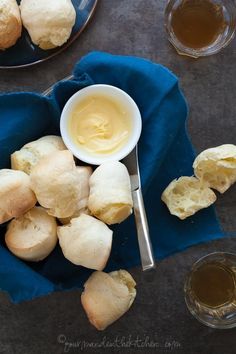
(210, 290)
(213, 284)
(200, 27)
(198, 23)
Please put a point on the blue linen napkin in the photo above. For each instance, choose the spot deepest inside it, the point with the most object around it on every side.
(165, 153)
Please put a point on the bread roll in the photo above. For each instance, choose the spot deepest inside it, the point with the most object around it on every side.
(49, 22)
(86, 241)
(33, 235)
(110, 198)
(55, 182)
(217, 167)
(10, 23)
(84, 173)
(186, 195)
(16, 196)
(30, 154)
(107, 297)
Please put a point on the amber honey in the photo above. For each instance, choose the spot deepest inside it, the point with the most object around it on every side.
(213, 285)
(210, 290)
(197, 23)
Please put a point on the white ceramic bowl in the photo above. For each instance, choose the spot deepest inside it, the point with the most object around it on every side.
(111, 92)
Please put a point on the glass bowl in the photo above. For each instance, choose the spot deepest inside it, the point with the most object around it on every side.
(218, 316)
(222, 40)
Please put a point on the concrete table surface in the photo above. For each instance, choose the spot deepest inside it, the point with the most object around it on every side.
(158, 322)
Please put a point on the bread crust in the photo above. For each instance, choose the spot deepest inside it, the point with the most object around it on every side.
(30, 154)
(216, 167)
(86, 241)
(110, 198)
(16, 196)
(10, 23)
(32, 236)
(48, 22)
(54, 181)
(84, 174)
(107, 296)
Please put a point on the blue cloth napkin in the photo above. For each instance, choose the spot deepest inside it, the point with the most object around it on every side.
(165, 153)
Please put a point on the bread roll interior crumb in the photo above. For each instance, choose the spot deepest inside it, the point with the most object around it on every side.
(187, 195)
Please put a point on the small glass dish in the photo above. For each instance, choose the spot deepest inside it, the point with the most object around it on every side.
(221, 315)
(221, 41)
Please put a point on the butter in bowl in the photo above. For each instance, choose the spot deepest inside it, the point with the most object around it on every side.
(100, 123)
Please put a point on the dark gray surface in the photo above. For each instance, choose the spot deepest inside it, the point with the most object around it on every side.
(135, 27)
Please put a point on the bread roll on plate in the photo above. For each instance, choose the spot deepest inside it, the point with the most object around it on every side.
(29, 155)
(107, 297)
(110, 198)
(186, 195)
(55, 182)
(49, 22)
(10, 23)
(84, 173)
(33, 235)
(16, 196)
(217, 167)
(86, 241)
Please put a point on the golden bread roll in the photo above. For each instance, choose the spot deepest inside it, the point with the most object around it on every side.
(29, 155)
(186, 195)
(84, 173)
(110, 198)
(107, 296)
(10, 23)
(86, 241)
(32, 236)
(48, 22)
(54, 181)
(217, 167)
(16, 196)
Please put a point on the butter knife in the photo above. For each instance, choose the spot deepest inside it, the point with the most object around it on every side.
(145, 245)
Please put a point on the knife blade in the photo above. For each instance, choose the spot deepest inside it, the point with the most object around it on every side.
(144, 241)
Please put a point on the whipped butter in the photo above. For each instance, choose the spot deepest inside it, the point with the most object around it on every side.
(100, 125)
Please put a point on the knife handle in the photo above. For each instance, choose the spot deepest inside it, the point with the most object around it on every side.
(145, 245)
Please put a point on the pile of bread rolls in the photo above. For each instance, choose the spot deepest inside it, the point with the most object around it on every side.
(214, 168)
(46, 197)
(48, 22)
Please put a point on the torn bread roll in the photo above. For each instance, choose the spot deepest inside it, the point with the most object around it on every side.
(32, 236)
(110, 198)
(16, 196)
(55, 182)
(86, 241)
(186, 195)
(217, 167)
(10, 23)
(106, 297)
(29, 155)
(84, 174)
(48, 22)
